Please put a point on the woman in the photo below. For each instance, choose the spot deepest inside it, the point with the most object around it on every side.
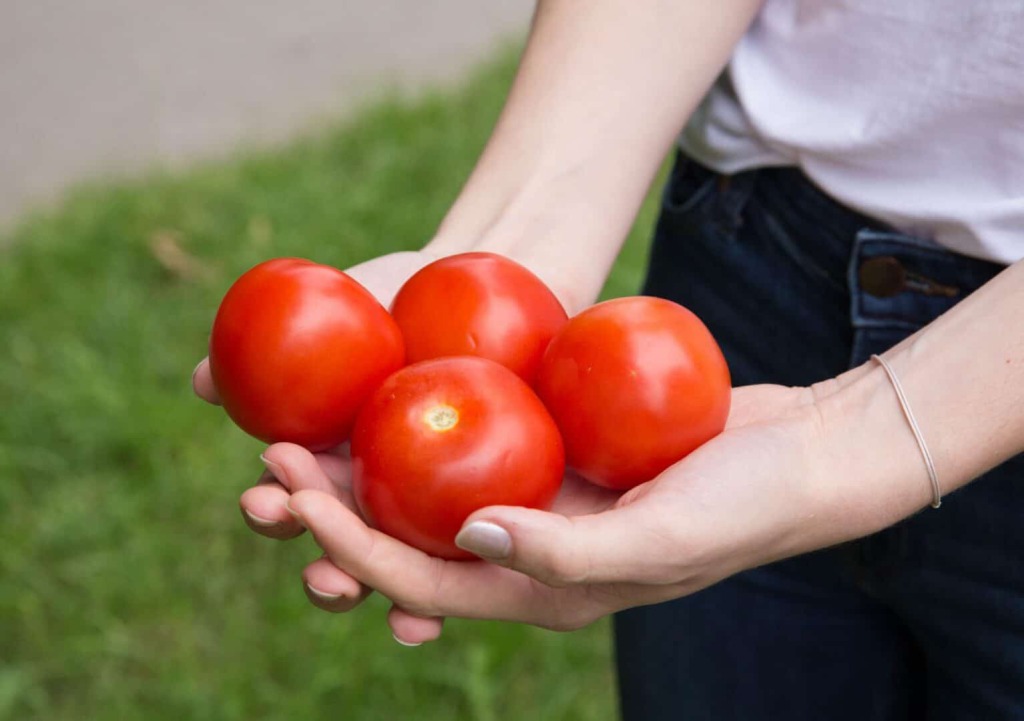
(850, 179)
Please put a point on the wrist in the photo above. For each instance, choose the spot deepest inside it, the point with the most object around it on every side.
(870, 470)
(552, 225)
(867, 471)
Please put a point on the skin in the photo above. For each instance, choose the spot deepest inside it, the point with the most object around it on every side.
(796, 468)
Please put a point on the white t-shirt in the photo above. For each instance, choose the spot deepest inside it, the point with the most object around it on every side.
(910, 111)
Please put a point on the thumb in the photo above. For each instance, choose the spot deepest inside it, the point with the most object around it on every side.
(619, 545)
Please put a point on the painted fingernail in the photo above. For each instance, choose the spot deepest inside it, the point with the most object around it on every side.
(485, 539)
(323, 595)
(274, 468)
(257, 521)
(405, 643)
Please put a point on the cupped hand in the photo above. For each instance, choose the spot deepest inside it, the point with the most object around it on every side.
(741, 500)
(332, 584)
(738, 501)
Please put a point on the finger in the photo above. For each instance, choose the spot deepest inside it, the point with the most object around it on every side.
(625, 544)
(202, 383)
(577, 496)
(264, 511)
(297, 469)
(427, 586)
(291, 467)
(411, 630)
(337, 466)
(330, 588)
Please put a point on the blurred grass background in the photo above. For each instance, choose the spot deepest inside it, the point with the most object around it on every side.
(129, 588)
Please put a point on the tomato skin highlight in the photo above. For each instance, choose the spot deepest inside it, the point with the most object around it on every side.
(443, 438)
(634, 384)
(479, 304)
(295, 350)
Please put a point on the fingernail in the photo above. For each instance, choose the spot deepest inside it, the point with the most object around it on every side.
(196, 369)
(257, 521)
(405, 643)
(485, 539)
(323, 595)
(288, 507)
(274, 468)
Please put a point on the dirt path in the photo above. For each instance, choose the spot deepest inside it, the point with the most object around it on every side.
(110, 87)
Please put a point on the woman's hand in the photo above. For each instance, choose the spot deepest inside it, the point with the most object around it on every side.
(795, 470)
(741, 500)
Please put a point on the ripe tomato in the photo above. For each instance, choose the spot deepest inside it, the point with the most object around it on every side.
(478, 304)
(296, 348)
(443, 438)
(634, 384)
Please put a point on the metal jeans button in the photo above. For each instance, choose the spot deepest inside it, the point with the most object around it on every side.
(883, 276)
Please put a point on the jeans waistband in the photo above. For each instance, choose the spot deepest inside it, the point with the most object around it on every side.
(895, 280)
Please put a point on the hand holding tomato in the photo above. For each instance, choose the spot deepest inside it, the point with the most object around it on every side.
(692, 520)
(751, 495)
(340, 586)
(335, 590)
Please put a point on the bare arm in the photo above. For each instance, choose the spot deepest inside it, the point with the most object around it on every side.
(964, 377)
(603, 88)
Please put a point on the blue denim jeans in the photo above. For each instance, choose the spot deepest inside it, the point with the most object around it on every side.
(922, 620)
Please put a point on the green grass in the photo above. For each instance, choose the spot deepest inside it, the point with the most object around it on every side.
(129, 587)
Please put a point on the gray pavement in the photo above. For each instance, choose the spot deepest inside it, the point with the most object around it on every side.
(104, 88)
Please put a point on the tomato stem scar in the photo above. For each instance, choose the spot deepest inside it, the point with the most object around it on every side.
(441, 418)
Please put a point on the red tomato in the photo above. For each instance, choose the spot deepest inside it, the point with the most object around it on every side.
(478, 304)
(634, 384)
(443, 438)
(296, 349)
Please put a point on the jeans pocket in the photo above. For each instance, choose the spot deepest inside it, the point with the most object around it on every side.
(689, 184)
(699, 203)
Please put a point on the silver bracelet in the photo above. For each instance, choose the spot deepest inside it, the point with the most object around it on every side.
(905, 405)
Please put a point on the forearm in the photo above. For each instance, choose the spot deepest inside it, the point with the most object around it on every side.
(603, 88)
(964, 378)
